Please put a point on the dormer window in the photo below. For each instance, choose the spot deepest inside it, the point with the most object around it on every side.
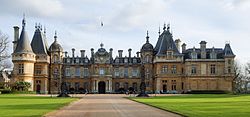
(169, 53)
(86, 61)
(117, 60)
(77, 60)
(213, 55)
(134, 60)
(68, 60)
(125, 60)
(194, 54)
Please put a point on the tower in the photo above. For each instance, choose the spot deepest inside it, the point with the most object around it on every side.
(41, 66)
(56, 64)
(23, 58)
(147, 52)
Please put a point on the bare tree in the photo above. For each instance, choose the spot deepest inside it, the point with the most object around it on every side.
(247, 76)
(238, 78)
(4, 55)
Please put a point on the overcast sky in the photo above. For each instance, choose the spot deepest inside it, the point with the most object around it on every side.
(126, 21)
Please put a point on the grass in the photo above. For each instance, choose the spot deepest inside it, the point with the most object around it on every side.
(14, 105)
(203, 105)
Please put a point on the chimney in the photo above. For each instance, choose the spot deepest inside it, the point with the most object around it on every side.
(177, 44)
(120, 53)
(183, 46)
(203, 49)
(137, 53)
(16, 36)
(82, 53)
(66, 54)
(73, 52)
(111, 52)
(129, 52)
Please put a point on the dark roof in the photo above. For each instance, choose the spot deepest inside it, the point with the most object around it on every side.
(218, 51)
(23, 43)
(38, 43)
(55, 46)
(165, 43)
(147, 46)
(228, 51)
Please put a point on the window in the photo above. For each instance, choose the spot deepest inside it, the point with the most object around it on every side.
(147, 59)
(117, 60)
(213, 55)
(121, 72)
(86, 60)
(174, 69)
(125, 60)
(20, 68)
(68, 60)
(229, 69)
(170, 53)
(85, 72)
(229, 62)
(67, 72)
(147, 73)
(117, 72)
(77, 60)
(194, 55)
(77, 71)
(134, 60)
(38, 69)
(134, 72)
(56, 59)
(212, 69)
(125, 72)
(101, 71)
(173, 84)
(164, 69)
(193, 69)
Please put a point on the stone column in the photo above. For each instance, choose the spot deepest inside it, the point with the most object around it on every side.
(158, 84)
(107, 85)
(110, 86)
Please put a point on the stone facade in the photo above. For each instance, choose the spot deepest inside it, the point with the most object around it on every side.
(167, 68)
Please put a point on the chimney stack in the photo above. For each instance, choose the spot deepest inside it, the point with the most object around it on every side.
(203, 49)
(66, 54)
(120, 53)
(137, 53)
(92, 52)
(82, 53)
(129, 52)
(73, 52)
(177, 44)
(16, 36)
(183, 46)
(111, 52)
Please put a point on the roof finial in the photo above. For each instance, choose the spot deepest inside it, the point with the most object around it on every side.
(168, 26)
(44, 30)
(55, 36)
(36, 25)
(164, 26)
(24, 21)
(147, 37)
(159, 32)
(101, 45)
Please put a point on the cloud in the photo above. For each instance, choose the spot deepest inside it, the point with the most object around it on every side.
(44, 8)
(237, 5)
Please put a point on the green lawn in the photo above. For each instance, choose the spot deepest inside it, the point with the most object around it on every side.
(203, 105)
(14, 105)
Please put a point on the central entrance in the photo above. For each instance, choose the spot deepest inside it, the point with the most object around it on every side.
(101, 87)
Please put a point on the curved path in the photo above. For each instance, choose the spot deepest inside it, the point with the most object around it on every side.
(106, 105)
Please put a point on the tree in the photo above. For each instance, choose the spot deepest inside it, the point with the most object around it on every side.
(238, 78)
(247, 76)
(22, 86)
(4, 55)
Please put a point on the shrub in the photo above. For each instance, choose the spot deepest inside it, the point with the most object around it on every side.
(5, 91)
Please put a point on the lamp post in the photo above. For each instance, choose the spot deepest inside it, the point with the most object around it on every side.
(143, 84)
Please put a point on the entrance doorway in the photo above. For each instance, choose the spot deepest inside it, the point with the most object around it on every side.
(101, 87)
(38, 89)
(164, 88)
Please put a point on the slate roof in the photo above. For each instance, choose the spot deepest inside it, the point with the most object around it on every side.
(165, 43)
(38, 43)
(228, 51)
(147, 46)
(55, 46)
(23, 43)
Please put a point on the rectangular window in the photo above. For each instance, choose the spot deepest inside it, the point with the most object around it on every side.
(77, 60)
(134, 72)
(121, 72)
(174, 69)
(229, 69)
(164, 69)
(125, 72)
(67, 71)
(77, 71)
(173, 84)
(85, 72)
(193, 69)
(38, 69)
(68, 60)
(20, 68)
(117, 72)
(212, 69)
(101, 71)
(134, 60)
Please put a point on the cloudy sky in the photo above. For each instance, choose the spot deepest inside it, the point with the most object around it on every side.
(126, 22)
